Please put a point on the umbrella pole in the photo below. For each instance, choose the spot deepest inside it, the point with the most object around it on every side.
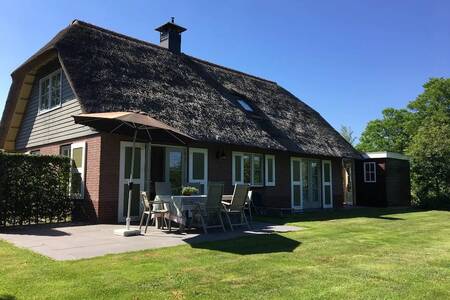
(130, 182)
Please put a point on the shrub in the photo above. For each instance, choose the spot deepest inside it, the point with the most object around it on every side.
(34, 189)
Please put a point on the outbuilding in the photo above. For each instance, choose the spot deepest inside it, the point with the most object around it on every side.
(383, 179)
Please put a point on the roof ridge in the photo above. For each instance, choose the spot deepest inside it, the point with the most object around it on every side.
(231, 70)
(136, 40)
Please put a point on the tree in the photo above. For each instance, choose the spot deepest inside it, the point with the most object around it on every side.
(430, 161)
(347, 134)
(391, 133)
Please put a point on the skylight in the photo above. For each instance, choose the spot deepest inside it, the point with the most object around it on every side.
(245, 105)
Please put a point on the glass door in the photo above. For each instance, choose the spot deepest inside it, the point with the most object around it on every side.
(198, 168)
(175, 168)
(311, 184)
(138, 179)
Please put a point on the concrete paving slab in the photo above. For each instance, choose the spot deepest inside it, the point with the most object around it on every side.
(78, 241)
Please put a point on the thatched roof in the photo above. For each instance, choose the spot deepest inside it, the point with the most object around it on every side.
(112, 72)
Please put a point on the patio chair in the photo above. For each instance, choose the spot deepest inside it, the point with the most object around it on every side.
(154, 209)
(213, 206)
(236, 206)
(248, 205)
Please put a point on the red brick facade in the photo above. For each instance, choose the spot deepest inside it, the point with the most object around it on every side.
(103, 165)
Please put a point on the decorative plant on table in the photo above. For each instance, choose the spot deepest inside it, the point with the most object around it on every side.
(189, 190)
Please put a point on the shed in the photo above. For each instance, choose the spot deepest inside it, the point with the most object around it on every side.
(383, 179)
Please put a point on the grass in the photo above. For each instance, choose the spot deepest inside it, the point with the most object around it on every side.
(359, 254)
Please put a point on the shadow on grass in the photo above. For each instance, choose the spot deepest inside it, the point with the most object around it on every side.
(336, 214)
(256, 244)
(7, 297)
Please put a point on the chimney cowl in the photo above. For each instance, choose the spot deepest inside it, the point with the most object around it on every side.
(170, 36)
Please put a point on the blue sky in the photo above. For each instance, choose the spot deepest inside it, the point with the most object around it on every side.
(346, 59)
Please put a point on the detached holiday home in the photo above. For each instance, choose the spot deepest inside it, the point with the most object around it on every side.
(234, 127)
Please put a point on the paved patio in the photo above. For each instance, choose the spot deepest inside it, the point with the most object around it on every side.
(78, 241)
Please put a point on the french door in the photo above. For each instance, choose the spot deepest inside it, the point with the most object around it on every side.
(198, 168)
(309, 184)
(138, 178)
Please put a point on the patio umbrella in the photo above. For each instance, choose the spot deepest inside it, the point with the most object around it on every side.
(140, 126)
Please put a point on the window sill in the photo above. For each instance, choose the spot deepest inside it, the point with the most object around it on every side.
(43, 112)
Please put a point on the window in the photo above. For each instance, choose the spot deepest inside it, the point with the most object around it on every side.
(248, 168)
(65, 151)
(370, 173)
(35, 152)
(270, 170)
(50, 91)
(245, 105)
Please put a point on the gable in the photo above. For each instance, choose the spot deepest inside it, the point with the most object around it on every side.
(38, 128)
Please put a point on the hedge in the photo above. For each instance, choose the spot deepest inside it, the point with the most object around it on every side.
(34, 189)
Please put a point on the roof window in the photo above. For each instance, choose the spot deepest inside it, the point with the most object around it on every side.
(245, 105)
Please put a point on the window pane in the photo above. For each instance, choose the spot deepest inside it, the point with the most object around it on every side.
(327, 194)
(137, 163)
(237, 168)
(55, 99)
(296, 195)
(326, 169)
(78, 157)
(176, 171)
(315, 181)
(296, 170)
(270, 170)
(257, 169)
(247, 169)
(65, 151)
(198, 166)
(305, 181)
(44, 93)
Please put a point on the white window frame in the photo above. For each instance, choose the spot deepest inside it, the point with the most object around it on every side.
(368, 172)
(324, 184)
(266, 169)
(203, 181)
(49, 76)
(81, 170)
(251, 155)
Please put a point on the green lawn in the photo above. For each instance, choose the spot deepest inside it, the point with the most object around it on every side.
(364, 253)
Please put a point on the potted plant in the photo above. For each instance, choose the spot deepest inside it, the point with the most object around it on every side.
(188, 190)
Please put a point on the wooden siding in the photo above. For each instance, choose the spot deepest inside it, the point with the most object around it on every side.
(52, 126)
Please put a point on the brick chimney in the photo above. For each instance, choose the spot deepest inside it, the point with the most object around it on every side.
(170, 36)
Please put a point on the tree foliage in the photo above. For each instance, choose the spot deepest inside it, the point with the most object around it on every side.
(391, 133)
(422, 131)
(347, 134)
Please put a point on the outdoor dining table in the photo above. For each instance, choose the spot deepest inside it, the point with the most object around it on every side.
(181, 207)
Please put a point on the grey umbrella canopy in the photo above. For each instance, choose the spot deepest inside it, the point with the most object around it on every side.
(136, 125)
